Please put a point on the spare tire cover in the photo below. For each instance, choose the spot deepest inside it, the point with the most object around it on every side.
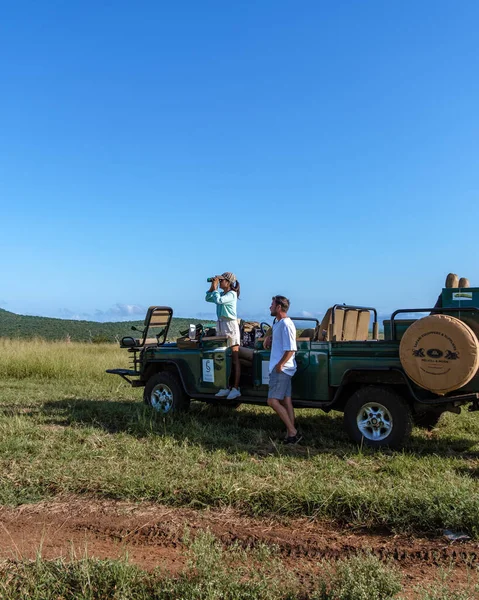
(440, 353)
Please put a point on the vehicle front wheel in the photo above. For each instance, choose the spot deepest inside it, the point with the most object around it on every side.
(377, 417)
(165, 394)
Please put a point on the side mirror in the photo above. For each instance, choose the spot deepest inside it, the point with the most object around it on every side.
(127, 342)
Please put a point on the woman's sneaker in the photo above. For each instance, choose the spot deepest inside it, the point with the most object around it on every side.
(222, 393)
(234, 393)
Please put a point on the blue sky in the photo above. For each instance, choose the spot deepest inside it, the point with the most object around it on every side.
(327, 151)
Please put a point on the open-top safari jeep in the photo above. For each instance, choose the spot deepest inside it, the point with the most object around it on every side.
(422, 368)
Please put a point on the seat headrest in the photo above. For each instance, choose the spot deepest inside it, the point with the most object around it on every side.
(452, 281)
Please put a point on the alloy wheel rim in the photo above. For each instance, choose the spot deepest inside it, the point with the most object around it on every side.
(374, 421)
(162, 398)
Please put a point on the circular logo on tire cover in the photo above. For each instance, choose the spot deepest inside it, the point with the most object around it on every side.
(435, 353)
(435, 361)
(440, 353)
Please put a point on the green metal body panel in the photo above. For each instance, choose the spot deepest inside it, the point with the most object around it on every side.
(460, 297)
(195, 373)
(310, 381)
(401, 326)
(346, 356)
(321, 365)
(464, 298)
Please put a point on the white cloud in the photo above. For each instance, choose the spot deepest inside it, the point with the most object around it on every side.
(66, 313)
(126, 310)
(117, 312)
(121, 312)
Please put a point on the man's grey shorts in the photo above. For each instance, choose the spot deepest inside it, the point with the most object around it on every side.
(279, 385)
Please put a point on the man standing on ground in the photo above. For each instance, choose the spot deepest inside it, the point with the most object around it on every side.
(282, 367)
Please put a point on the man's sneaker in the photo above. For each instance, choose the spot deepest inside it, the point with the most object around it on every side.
(222, 393)
(234, 393)
(293, 439)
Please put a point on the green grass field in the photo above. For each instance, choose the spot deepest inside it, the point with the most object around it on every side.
(66, 427)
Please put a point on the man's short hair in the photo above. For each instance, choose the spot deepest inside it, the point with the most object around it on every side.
(282, 301)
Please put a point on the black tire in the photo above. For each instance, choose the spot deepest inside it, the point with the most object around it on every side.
(377, 417)
(165, 394)
(427, 420)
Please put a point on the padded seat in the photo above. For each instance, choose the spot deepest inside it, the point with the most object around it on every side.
(307, 334)
(328, 331)
(349, 325)
(246, 356)
(362, 331)
(356, 325)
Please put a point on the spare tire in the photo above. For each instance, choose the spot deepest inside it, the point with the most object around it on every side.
(440, 353)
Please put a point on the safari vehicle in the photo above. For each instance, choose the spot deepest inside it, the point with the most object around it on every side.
(420, 369)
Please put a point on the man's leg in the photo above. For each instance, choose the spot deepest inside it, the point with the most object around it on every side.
(279, 390)
(288, 405)
(282, 413)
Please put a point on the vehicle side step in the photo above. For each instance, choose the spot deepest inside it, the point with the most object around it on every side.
(259, 400)
(130, 372)
(124, 374)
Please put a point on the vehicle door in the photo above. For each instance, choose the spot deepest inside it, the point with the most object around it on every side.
(302, 356)
(215, 365)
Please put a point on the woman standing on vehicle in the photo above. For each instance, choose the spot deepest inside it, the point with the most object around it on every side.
(227, 323)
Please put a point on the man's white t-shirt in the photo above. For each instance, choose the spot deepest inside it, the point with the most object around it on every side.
(284, 339)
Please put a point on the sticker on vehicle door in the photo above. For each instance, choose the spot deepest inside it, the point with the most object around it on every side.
(462, 296)
(208, 370)
(265, 372)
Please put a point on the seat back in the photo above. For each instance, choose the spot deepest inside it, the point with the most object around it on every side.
(362, 331)
(356, 325)
(329, 331)
(157, 323)
(350, 324)
(307, 334)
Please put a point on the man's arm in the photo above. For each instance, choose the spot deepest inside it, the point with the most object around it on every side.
(267, 341)
(284, 359)
(288, 341)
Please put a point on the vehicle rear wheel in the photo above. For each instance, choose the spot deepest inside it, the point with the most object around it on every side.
(165, 394)
(427, 420)
(377, 417)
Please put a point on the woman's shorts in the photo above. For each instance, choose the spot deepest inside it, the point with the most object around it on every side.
(279, 385)
(229, 328)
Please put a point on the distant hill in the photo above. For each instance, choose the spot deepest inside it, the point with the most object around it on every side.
(23, 326)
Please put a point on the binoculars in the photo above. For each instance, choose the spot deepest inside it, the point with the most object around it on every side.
(210, 279)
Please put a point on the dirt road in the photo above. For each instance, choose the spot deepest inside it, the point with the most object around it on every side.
(151, 535)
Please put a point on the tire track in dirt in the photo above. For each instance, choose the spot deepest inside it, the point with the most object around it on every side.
(152, 535)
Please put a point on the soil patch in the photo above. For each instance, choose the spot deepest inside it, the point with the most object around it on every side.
(151, 536)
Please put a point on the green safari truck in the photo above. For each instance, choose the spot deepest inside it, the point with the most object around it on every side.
(423, 365)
